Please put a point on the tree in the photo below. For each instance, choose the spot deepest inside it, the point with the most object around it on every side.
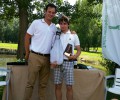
(82, 16)
(23, 6)
(86, 20)
(21, 9)
(17, 8)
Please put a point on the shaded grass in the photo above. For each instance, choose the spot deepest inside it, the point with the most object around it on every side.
(110, 95)
(1, 92)
(1, 87)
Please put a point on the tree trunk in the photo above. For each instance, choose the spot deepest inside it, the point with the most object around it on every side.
(23, 25)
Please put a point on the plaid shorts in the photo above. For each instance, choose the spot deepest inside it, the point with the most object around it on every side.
(64, 71)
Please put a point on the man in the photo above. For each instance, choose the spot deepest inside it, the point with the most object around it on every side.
(37, 50)
(65, 71)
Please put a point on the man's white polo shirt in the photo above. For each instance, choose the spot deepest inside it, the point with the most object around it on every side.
(42, 35)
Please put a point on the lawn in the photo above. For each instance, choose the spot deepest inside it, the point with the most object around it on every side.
(8, 45)
(88, 58)
(92, 59)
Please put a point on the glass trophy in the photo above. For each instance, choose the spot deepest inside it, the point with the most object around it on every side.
(68, 50)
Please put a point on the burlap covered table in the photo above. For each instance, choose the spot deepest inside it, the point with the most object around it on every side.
(89, 85)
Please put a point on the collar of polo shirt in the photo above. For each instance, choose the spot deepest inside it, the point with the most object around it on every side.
(43, 21)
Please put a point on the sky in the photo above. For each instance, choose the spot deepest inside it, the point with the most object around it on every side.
(72, 2)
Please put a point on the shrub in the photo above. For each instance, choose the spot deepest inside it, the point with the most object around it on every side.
(109, 65)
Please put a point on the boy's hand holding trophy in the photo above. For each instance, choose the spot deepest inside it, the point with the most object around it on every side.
(68, 50)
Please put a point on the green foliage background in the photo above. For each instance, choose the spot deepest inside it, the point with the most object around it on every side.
(85, 18)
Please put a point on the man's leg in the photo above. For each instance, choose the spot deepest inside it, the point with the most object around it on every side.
(69, 93)
(43, 77)
(58, 92)
(32, 75)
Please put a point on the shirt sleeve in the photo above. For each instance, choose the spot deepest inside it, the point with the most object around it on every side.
(77, 41)
(53, 39)
(31, 29)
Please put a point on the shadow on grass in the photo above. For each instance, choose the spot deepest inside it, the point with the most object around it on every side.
(1, 92)
(1, 87)
(112, 96)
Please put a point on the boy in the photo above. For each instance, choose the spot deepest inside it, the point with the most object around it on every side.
(65, 71)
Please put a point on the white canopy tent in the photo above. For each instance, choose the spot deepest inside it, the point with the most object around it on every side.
(111, 30)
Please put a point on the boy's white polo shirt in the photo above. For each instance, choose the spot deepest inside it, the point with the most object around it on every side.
(42, 35)
(69, 38)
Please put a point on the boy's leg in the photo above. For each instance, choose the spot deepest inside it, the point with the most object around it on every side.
(69, 92)
(58, 82)
(58, 92)
(69, 79)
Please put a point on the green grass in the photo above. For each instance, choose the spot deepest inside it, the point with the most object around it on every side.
(98, 49)
(8, 45)
(92, 59)
(110, 96)
(1, 91)
(1, 87)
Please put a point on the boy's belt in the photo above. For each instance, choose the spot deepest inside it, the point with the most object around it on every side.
(68, 60)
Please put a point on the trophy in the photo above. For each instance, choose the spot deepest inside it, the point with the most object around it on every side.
(68, 50)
